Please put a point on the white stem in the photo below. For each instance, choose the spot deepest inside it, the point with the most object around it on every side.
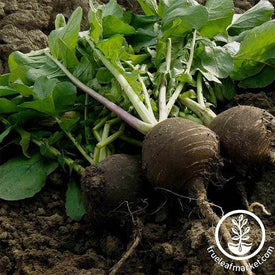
(162, 100)
(146, 96)
(163, 114)
(174, 97)
(127, 88)
(199, 91)
(190, 61)
(205, 114)
(168, 55)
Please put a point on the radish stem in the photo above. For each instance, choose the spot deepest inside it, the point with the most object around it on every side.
(146, 96)
(131, 140)
(136, 123)
(162, 99)
(190, 60)
(163, 114)
(139, 106)
(111, 138)
(174, 97)
(76, 144)
(86, 117)
(199, 91)
(78, 168)
(205, 114)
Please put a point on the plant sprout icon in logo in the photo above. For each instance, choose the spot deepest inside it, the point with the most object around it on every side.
(240, 248)
(240, 231)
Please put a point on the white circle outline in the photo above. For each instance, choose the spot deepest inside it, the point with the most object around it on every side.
(217, 235)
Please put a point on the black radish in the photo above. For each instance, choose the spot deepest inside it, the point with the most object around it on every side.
(115, 180)
(177, 151)
(246, 133)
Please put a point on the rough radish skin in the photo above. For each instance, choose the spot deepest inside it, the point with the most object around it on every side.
(113, 181)
(247, 133)
(178, 150)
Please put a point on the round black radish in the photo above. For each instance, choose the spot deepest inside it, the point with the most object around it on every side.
(178, 150)
(246, 133)
(115, 180)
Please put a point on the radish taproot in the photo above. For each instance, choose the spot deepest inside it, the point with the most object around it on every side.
(246, 132)
(114, 180)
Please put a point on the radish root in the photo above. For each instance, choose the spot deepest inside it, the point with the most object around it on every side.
(131, 250)
(257, 204)
(206, 210)
(272, 157)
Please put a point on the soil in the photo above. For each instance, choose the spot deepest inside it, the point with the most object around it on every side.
(37, 237)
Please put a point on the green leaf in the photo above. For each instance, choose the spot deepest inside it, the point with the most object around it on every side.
(45, 105)
(7, 106)
(22, 89)
(112, 8)
(22, 178)
(113, 25)
(228, 89)
(4, 134)
(95, 20)
(143, 21)
(220, 16)
(5, 90)
(25, 142)
(187, 79)
(150, 7)
(43, 87)
(19, 65)
(23, 116)
(193, 17)
(84, 71)
(254, 17)
(67, 55)
(64, 96)
(60, 21)
(4, 80)
(74, 201)
(68, 34)
(166, 6)
(143, 38)
(189, 94)
(104, 76)
(67, 124)
(112, 47)
(217, 61)
(256, 50)
(54, 97)
(26, 68)
(260, 80)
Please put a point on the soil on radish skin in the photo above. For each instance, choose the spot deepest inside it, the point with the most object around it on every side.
(37, 237)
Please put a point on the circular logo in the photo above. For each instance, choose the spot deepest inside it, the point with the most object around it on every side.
(241, 244)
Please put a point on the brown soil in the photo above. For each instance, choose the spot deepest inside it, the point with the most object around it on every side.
(37, 237)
